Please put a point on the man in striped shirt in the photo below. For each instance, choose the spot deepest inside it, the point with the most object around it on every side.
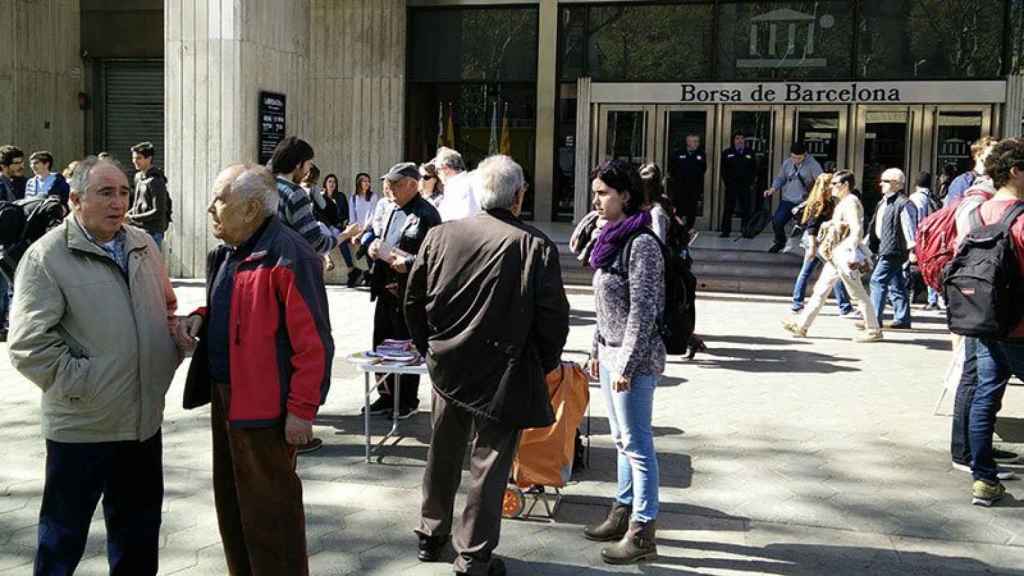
(290, 163)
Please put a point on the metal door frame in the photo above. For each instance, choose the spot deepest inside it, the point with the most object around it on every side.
(791, 118)
(930, 135)
(912, 146)
(650, 126)
(725, 140)
(661, 150)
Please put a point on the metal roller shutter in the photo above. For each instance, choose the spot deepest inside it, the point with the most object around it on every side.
(134, 108)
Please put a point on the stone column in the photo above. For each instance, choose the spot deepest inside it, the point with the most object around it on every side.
(40, 78)
(219, 55)
(547, 93)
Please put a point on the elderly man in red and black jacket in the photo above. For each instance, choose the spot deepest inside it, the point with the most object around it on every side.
(264, 356)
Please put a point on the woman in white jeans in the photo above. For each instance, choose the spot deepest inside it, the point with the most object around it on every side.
(841, 248)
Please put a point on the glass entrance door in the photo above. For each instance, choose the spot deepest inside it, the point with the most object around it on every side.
(955, 129)
(678, 128)
(757, 125)
(884, 141)
(822, 129)
(626, 133)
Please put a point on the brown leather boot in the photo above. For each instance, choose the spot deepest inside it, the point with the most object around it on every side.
(613, 527)
(637, 545)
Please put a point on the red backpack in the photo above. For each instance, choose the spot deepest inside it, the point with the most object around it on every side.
(935, 243)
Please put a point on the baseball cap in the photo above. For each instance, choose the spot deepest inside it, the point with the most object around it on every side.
(402, 170)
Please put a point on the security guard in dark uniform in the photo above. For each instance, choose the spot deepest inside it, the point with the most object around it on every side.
(686, 179)
(739, 170)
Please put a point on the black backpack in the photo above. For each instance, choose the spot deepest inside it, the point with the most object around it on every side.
(983, 285)
(677, 320)
(22, 222)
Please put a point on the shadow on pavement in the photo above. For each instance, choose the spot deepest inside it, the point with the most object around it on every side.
(771, 360)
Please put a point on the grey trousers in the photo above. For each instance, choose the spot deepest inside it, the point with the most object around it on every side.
(491, 456)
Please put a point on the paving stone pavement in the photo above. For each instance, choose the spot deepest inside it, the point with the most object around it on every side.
(778, 456)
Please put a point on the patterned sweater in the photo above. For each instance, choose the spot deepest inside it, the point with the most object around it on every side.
(632, 345)
(296, 210)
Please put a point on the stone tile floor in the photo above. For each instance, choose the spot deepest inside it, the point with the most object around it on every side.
(778, 456)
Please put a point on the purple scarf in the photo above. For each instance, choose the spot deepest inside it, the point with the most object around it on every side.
(613, 237)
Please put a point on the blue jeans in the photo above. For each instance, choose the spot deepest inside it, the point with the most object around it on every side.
(996, 360)
(129, 477)
(783, 214)
(839, 290)
(346, 253)
(158, 237)
(960, 441)
(629, 417)
(888, 281)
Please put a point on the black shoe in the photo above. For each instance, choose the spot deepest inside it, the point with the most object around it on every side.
(497, 568)
(638, 545)
(1005, 456)
(382, 405)
(431, 547)
(776, 247)
(895, 326)
(311, 446)
(353, 277)
(613, 527)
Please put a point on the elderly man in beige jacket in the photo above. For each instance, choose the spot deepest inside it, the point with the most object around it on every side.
(91, 325)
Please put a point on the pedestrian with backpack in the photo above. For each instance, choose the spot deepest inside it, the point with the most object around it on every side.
(922, 203)
(839, 245)
(963, 182)
(985, 293)
(628, 357)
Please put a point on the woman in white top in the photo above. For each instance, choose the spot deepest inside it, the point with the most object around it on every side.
(840, 246)
(363, 201)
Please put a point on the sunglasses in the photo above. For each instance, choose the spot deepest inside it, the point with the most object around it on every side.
(890, 181)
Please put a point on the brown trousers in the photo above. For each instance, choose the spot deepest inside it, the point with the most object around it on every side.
(490, 462)
(258, 497)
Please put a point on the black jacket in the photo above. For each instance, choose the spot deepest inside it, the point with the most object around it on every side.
(893, 243)
(739, 169)
(151, 209)
(421, 216)
(486, 305)
(686, 174)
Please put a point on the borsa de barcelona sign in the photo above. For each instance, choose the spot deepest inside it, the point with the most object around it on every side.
(901, 92)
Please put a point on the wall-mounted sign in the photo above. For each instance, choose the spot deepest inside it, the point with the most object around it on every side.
(272, 123)
(961, 92)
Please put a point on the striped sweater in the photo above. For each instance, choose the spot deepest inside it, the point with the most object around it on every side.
(296, 210)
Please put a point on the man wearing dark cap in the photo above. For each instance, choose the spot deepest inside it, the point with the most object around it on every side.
(393, 254)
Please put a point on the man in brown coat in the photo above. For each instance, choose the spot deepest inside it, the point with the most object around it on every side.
(486, 306)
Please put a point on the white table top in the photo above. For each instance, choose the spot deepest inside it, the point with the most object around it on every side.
(372, 368)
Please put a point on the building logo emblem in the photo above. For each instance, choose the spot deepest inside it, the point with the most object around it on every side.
(785, 38)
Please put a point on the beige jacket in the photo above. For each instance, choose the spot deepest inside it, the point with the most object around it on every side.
(96, 341)
(845, 231)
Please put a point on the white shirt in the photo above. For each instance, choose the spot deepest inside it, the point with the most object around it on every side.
(458, 201)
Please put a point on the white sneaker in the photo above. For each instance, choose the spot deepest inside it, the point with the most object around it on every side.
(1001, 473)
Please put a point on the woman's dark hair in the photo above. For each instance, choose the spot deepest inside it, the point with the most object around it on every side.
(337, 187)
(431, 170)
(623, 177)
(654, 188)
(369, 189)
(845, 177)
(829, 167)
(289, 155)
(1006, 155)
(924, 180)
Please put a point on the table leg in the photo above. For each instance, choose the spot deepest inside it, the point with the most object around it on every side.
(366, 412)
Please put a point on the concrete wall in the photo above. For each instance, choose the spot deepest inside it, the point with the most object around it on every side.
(339, 62)
(40, 77)
(219, 54)
(357, 86)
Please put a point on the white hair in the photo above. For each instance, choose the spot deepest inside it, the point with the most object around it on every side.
(250, 182)
(257, 183)
(895, 174)
(496, 181)
(79, 181)
(448, 158)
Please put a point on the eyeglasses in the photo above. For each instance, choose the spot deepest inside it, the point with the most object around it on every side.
(884, 181)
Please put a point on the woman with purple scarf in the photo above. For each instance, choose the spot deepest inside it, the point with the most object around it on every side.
(628, 356)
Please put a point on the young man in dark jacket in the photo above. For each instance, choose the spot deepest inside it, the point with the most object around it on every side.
(486, 305)
(393, 254)
(151, 210)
